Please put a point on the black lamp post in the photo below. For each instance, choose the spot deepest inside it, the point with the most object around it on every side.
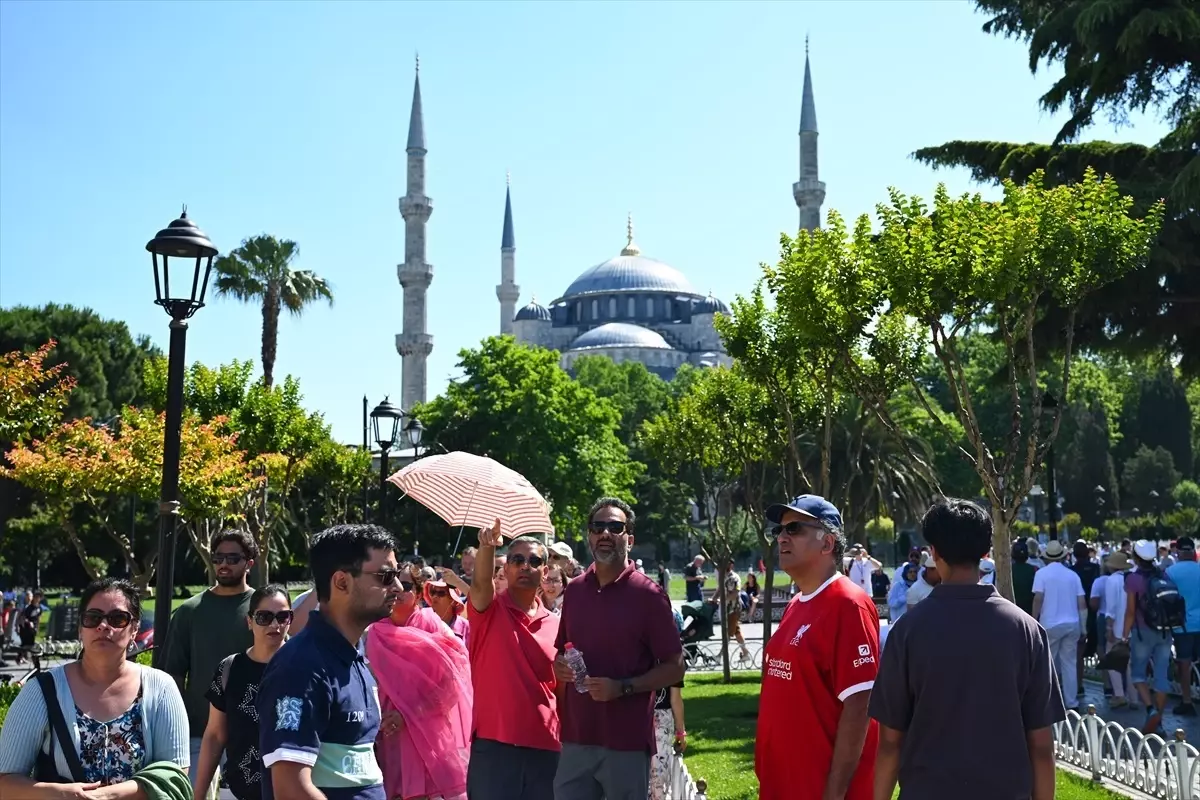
(1049, 401)
(187, 256)
(415, 431)
(1099, 494)
(386, 419)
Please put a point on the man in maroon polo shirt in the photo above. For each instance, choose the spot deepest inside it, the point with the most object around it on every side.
(622, 623)
(514, 732)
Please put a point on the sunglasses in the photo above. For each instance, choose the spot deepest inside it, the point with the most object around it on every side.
(406, 586)
(612, 526)
(265, 618)
(116, 620)
(227, 558)
(439, 592)
(793, 528)
(520, 560)
(387, 577)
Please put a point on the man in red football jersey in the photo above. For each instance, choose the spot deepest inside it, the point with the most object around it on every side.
(820, 665)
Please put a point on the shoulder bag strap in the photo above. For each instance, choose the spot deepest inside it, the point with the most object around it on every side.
(58, 726)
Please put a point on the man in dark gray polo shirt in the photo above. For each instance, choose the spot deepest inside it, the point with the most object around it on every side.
(948, 714)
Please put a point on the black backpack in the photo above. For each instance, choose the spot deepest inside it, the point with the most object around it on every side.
(1162, 605)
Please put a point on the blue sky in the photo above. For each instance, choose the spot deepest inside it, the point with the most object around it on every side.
(291, 119)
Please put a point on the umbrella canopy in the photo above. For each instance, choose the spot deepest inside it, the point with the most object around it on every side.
(471, 490)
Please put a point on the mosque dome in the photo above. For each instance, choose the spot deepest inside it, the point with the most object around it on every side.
(710, 305)
(619, 334)
(535, 312)
(630, 272)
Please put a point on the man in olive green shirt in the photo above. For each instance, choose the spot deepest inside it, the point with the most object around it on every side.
(1022, 577)
(209, 627)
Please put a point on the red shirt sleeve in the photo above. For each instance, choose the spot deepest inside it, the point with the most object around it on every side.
(856, 651)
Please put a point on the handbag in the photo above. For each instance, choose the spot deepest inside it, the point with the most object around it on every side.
(45, 770)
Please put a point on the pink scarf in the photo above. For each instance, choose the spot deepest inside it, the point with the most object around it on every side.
(424, 673)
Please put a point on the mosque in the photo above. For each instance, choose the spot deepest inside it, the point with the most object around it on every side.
(630, 307)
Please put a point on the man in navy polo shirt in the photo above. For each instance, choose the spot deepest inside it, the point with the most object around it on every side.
(318, 704)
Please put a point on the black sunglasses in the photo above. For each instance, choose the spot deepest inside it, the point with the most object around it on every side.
(116, 620)
(387, 576)
(406, 586)
(520, 559)
(265, 618)
(439, 592)
(612, 526)
(227, 558)
(793, 528)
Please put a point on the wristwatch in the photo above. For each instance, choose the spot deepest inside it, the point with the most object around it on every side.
(626, 688)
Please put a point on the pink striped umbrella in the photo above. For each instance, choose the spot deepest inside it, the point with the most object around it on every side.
(470, 490)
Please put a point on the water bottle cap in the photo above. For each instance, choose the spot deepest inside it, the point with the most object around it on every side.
(569, 646)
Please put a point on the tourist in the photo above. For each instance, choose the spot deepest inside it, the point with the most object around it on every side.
(670, 736)
(1022, 577)
(318, 699)
(622, 623)
(449, 607)
(122, 717)
(930, 696)
(232, 729)
(1088, 571)
(467, 564)
(1035, 553)
(664, 578)
(861, 567)
(1096, 611)
(515, 746)
(693, 577)
(553, 585)
(1115, 602)
(750, 592)
(897, 600)
(1147, 644)
(820, 665)
(209, 627)
(1060, 605)
(305, 604)
(928, 578)
(27, 623)
(1186, 575)
(733, 612)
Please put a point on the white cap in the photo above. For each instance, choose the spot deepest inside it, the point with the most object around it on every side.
(1145, 550)
(639, 562)
(987, 565)
(562, 549)
(927, 561)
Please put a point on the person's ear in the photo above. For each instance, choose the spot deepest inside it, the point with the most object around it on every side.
(341, 581)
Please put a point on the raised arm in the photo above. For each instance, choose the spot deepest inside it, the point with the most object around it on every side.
(483, 589)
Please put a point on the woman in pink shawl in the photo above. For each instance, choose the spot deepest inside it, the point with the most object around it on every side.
(424, 676)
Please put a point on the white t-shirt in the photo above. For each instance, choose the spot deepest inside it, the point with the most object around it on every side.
(1060, 589)
(1114, 602)
(918, 591)
(860, 572)
(1098, 593)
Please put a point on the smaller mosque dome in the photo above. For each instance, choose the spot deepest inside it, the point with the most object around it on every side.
(710, 305)
(535, 312)
(619, 334)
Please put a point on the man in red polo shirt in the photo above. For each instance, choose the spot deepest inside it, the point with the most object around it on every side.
(622, 623)
(514, 747)
(820, 665)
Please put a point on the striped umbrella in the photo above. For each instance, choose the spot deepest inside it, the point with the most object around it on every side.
(470, 490)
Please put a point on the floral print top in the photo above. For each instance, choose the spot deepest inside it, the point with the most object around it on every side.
(111, 752)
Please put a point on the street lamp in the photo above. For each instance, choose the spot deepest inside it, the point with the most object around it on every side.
(415, 431)
(187, 256)
(1099, 493)
(1049, 401)
(386, 418)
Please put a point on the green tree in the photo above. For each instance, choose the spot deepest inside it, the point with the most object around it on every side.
(1187, 494)
(1149, 471)
(1164, 418)
(884, 299)
(32, 395)
(260, 271)
(516, 404)
(1085, 462)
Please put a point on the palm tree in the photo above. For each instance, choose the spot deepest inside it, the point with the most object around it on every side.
(260, 270)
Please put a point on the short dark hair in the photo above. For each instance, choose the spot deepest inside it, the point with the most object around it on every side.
(270, 590)
(839, 542)
(133, 597)
(614, 502)
(242, 539)
(533, 542)
(960, 531)
(344, 548)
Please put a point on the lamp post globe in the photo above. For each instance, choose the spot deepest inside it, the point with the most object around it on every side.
(385, 418)
(415, 431)
(182, 256)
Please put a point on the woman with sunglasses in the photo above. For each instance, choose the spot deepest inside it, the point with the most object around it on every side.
(232, 720)
(120, 717)
(444, 601)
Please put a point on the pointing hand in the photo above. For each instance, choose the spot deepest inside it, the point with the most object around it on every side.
(491, 537)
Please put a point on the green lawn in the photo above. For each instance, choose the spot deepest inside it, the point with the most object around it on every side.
(720, 723)
(679, 585)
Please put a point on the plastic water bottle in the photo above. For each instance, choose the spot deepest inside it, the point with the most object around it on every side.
(574, 660)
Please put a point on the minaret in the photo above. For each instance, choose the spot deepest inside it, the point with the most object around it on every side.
(507, 291)
(809, 191)
(414, 344)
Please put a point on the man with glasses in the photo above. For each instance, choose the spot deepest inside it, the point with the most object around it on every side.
(622, 623)
(318, 702)
(209, 627)
(819, 667)
(514, 736)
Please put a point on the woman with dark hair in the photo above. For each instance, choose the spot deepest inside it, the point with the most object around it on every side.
(100, 721)
(749, 596)
(232, 719)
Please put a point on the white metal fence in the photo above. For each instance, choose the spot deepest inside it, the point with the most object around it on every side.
(680, 784)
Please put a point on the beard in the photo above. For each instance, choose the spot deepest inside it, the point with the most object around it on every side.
(619, 554)
(231, 580)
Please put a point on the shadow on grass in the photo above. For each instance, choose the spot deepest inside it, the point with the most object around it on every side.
(721, 720)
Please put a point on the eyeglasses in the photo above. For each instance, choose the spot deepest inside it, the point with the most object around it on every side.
(386, 577)
(520, 559)
(265, 618)
(439, 592)
(227, 558)
(611, 525)
(553, 581)
(406, 586)
(116, 620)
(793, 528)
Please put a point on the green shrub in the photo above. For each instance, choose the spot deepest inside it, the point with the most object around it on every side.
(8, 693)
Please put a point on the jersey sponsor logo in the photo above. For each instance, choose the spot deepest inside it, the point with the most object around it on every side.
(864, 650)
(358, 764)
(799, 635)
(864, 656)
(287, 713)
(779, 668)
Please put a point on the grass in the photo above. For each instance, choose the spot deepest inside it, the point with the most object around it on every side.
(721, 720)
(678, 589)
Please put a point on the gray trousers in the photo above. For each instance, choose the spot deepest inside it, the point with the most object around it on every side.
(499, 771)
(587, 772)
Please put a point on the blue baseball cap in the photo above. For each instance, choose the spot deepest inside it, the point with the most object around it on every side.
(809, 505)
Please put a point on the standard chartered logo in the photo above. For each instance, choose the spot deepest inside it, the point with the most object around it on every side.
(358, 764)
(778, 668)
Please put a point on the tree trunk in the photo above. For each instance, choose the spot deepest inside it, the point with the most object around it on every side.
(270, 335)
(73, 535)
(1002, 554)
(768, 590)
(200, 532)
